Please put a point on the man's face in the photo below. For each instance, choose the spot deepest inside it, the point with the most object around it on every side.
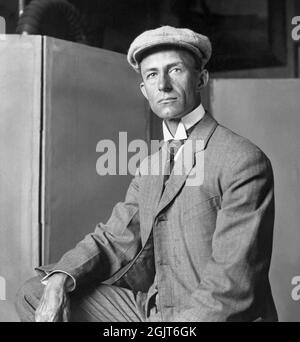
(171, 83)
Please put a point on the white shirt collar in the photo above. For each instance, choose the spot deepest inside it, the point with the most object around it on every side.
(188, 121)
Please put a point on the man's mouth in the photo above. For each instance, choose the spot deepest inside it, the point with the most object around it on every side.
(167, 100)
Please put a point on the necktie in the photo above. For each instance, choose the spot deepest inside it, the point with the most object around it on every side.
(173, 147)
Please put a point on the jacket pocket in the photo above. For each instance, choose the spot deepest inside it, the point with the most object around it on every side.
(201, 208)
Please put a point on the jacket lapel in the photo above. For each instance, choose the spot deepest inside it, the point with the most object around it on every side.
(196, 142)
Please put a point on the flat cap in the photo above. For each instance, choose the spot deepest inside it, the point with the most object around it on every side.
(196, 43)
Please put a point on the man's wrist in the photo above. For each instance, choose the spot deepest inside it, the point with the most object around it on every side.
(57, 280)
(69, 283)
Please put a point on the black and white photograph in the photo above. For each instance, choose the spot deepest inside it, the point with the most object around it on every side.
(150, 163)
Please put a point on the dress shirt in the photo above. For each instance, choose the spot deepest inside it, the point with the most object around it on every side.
(186, 122)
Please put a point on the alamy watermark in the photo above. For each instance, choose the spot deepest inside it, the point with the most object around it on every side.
(2, 288)
(296, 30)
(296, 290)
(2, 28)
(114, 159)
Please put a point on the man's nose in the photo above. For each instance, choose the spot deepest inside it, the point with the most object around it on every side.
(164, 83)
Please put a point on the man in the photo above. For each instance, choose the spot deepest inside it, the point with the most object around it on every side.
(174, 250)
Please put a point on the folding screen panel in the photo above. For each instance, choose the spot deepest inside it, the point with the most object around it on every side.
(20, 112)
(90, 95)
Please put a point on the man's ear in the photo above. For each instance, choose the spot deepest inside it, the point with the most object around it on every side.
(143, 90)
(202, 79)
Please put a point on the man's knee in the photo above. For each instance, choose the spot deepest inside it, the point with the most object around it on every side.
(28, 297)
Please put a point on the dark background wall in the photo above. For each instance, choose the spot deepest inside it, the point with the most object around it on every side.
(250, 38)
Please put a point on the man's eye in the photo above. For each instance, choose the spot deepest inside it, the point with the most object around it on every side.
(151, 75)
(175, 70)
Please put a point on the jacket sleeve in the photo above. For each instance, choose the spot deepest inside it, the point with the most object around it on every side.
(241, 245)
(110, 247)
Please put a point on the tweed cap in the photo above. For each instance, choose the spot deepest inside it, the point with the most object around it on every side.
(196, 43)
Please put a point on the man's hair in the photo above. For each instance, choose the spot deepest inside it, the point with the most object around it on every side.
(198, 64)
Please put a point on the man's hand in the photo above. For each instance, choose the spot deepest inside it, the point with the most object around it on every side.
(54, 305)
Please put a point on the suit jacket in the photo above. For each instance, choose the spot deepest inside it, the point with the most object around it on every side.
(208, 242)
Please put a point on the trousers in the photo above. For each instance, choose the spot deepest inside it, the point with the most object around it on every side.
(102, 303)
